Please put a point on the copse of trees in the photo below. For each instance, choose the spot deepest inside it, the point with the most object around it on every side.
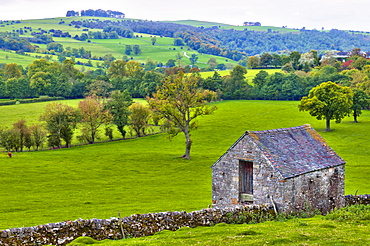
(97, 13)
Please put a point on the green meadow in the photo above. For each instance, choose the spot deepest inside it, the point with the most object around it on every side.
(145, 174)
(251, 73)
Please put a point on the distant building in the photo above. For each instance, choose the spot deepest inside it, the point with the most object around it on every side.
(292, 168)
(251, 24)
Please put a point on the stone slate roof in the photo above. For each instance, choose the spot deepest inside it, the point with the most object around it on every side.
(296, 150)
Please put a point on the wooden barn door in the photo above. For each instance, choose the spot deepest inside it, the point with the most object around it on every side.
(246, 177)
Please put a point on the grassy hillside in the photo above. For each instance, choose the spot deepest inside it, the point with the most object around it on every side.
(144, 175)
(162, 51)
(227, 26)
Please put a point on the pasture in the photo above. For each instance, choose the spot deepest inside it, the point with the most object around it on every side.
(251, 73)
(145, 174)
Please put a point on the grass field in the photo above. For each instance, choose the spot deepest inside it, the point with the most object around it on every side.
(251, 73)
(144, 175)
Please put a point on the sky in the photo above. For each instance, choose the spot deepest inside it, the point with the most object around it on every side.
(311, 14)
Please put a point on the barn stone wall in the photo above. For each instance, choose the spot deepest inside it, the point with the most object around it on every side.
(323, 189)
(137, 225)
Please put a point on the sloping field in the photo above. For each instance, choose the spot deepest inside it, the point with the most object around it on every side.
(144, 175)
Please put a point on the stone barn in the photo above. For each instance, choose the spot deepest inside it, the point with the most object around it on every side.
(292, 168)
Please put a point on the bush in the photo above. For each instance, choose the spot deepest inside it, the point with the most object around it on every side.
(354, 212)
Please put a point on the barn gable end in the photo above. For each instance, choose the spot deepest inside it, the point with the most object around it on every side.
(290, 167)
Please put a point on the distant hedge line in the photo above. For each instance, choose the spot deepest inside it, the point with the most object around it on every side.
(32, 100)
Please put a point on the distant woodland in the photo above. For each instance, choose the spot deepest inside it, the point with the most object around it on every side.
(236, 44)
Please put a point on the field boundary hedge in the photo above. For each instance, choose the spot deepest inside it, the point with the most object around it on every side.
(32, 100)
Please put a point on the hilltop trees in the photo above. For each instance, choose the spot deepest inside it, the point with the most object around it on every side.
(328, 101)
(179, 101)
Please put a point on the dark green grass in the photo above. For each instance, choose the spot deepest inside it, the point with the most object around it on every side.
(144, 175)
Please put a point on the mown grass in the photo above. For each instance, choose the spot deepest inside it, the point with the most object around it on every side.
(312, 231)
(144, 175)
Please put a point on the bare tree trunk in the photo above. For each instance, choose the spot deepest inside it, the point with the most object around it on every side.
(355, 116)
(327, 125)
(188, 145)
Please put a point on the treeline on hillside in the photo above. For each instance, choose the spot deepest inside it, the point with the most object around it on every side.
(97, 13)
(235, 44)
(300, 73)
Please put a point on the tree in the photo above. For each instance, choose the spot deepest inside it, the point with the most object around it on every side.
(234, 85)
(38, 135)
(139, 118)
(178, 42)
(99, 88)
(179, 101)
(128, 50)
(253, 62)
(212, 63)
(154, 40)
(266, 60)
(193, 59)
(137, 50)
(61, 120)
(360, 101)
(118, 108)
(328, 101)
(12, 70)
(260, 79)
(93, 115)
(22, 132)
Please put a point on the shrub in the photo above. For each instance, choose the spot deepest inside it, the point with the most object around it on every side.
(354, 212)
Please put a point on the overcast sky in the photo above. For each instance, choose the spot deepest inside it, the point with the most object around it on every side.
(312, 14)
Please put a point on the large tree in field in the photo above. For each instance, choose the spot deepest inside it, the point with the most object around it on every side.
(61, 120)
(328, 101)
(93, 114)
(180, 102)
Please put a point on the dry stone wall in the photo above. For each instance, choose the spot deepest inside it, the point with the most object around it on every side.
(360, 199)
(137, 225)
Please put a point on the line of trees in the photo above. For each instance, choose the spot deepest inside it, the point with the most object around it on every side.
(176, 104)
(59, 122)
